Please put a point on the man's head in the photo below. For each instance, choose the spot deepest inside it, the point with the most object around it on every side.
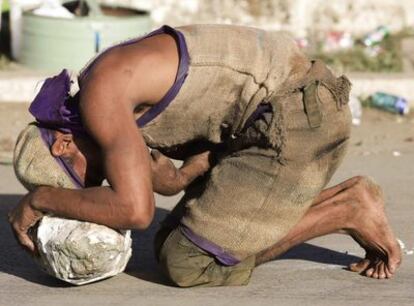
(49, 157)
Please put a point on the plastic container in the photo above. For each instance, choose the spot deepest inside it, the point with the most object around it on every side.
(390, 103)
(376, 36)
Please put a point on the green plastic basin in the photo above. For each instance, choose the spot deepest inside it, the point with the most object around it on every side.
(50, 44)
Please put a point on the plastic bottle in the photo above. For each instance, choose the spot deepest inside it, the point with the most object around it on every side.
(390, 103)
(376, 36)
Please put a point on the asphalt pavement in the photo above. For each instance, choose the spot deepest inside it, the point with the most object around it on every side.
(311, 274)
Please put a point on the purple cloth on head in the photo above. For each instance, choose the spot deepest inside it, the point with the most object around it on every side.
(52, 107)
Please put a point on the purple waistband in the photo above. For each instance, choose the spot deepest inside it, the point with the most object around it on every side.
(210, 247)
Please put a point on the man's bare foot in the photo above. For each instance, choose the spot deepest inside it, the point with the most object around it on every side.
(354, 207)
(370, 228)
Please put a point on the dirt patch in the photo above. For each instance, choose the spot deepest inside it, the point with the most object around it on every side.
(13, 118)
(6, 144)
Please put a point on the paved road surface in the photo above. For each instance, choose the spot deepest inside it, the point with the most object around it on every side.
(311, 274)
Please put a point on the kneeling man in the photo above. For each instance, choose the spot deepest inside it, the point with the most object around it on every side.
(261, 130)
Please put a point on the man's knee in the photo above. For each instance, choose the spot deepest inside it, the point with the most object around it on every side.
(186, 265)
(183, 278)
(175, 258)
(185, 269)
(211, 274)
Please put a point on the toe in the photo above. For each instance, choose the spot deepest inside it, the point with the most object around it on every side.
(377, 267)
(379, 270)
(359, 266)
(381, 273)
(388, 272)
(354, 267)
(393, 265)
(369, 272)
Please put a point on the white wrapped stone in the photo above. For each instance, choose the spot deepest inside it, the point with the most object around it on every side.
(81, 252)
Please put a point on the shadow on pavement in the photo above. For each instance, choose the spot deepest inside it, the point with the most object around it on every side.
(310, 252)
(14, 260)
(142, 265)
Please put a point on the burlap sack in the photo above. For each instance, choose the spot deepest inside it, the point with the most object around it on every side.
(33, 163)
(254, 196)
(273, 170)
(232, 69)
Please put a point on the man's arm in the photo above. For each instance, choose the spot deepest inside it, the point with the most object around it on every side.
(107, 113)
(168, 180)
(119, 82)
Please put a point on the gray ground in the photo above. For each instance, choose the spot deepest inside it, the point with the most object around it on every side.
(310, 274)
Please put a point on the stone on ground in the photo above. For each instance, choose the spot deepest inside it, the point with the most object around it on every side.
(81, 252)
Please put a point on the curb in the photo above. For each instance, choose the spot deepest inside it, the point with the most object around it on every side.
(19, 88)
(399, 84)
(6, 158)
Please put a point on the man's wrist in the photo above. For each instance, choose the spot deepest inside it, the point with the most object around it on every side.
(184, 178)
(39, 198)
(189, 173)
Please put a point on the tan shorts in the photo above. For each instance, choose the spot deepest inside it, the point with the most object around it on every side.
(187, 265)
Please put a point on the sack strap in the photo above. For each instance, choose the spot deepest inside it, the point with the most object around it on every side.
(312, 104)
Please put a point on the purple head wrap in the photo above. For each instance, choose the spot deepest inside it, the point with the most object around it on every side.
(53, 108)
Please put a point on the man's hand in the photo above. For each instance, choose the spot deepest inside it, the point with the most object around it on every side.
(201, 162)
(168, 180)
(165, 176)
(161, 166)
(22, 218)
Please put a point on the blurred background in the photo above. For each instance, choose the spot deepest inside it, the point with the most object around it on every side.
(363, 35)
